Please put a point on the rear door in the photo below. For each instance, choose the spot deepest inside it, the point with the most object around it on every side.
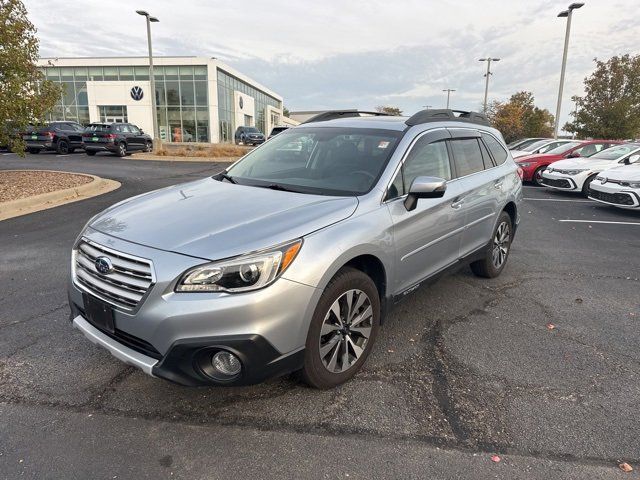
(479, 184)
(129, 136)
(73, 132)
(427, 238)
(140, 139)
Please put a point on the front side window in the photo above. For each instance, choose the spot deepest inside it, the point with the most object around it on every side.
(467, 156)
(563, 148)
(590, 149)
(322, 160)
(496, 148)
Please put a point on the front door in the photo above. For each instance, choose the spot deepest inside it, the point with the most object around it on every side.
(427, 238)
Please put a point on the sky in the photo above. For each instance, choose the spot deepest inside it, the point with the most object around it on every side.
(329, 54)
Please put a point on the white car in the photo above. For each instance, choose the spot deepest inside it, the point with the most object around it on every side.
(541, 146)
(619, 186)
(575, 174)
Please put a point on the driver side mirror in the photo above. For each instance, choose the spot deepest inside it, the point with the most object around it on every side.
(424, 187)
(574, 154)
(632, 159)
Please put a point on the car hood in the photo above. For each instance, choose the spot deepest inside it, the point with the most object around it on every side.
(539, 157)
(212, 220)
(623, 172)
(581, 162)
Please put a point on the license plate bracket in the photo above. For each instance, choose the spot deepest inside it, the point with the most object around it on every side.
(98, 313)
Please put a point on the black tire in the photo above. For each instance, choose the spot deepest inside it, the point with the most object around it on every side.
(63, 147)
(122, 150)
(91, 153)
(71, 150)
(587, 183)
(33, 151)
(148, 147)
(487, 267)
(314, 371)
(537, 176)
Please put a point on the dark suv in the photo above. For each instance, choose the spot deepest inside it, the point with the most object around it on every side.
(62, 137)
(117, 138)
(249, 136)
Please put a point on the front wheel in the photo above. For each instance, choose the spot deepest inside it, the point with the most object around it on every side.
(33, 151)
(497, 251)
(537, 176)
(343, 329)
(587, 184)
(148, 147)
(91, 153)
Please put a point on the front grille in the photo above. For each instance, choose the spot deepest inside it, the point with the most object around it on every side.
(616, 198)
(124, 287)
(556, 182)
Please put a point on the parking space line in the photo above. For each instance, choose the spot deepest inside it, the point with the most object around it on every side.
(601, 221)
(557, 200)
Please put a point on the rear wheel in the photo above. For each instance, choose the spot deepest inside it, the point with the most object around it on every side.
(122, 149)
(537, 176)
(497, 251)
(63, 147)
(91, 153)
(587, 183)
(343, 329)
(34, 151)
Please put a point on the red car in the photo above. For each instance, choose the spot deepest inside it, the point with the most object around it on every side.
(533, 165)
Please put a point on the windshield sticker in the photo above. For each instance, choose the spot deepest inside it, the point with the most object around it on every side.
(383, 144)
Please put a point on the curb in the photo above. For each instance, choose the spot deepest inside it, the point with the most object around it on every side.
(35, 203)
(168, 158)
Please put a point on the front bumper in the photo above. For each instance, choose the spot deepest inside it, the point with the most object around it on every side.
(613, 194)
(558, 181)
(176, 333)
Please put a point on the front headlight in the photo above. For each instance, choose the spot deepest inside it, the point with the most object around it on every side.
(574, 172)
(240, 274)
(631, 184)
(524, 164)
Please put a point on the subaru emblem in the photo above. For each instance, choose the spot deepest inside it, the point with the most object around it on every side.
(137, 93)
(103, 265)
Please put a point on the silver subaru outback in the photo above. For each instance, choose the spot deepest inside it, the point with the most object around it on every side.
(290, 259)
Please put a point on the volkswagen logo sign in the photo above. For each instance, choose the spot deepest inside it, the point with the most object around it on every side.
(137, 93)
(103, 265)
(604, 180)
(241, 103)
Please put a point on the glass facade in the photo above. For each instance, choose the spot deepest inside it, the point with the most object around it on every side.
(181, 96)
(227, 84)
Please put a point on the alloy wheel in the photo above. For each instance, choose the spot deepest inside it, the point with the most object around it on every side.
(501, 244)
(123, 149)
(345, 331)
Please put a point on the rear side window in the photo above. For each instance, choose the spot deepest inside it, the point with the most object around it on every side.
(467, 156)
(97, 128)
(497, 150)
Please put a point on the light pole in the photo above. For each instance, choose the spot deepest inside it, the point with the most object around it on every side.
(427, 107)
(566, 13)
(448, 90)
(156, 133)
(486, 84)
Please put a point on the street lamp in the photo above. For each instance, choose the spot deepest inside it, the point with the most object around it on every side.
(486, 84)
(427, 106)
(565, 13)
(156, 133)
(448, 90)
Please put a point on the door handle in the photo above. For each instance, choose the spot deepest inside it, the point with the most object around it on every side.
(457, 204)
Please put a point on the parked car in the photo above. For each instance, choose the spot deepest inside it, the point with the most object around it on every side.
(534, 165)
(276, 130)
(117, 138)
(61, 137)
(525, 142)
(576, 174)
(291, 257)
(249, 136)
(619, 186)
(542, 146)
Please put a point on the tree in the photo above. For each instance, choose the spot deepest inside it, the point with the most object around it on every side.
(389, 110)
(25, 95)
(519, 117)
(610, 107)
(285, 111)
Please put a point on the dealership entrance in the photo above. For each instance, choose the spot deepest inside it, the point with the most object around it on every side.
(113, 113)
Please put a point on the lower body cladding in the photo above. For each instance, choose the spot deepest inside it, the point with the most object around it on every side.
(199, 338)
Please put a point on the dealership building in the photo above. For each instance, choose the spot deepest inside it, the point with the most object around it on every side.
(198, 99)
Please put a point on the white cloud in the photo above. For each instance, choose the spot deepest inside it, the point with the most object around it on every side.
(359, 53)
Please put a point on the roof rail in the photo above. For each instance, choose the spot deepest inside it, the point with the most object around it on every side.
(425, 116)
(333, 114)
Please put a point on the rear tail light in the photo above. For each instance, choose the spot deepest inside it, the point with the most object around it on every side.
(520, 173)
(49, 134)
(110, 136)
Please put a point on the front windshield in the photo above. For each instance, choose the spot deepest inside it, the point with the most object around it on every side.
(251, 130)
(614, 153)
(322, 160)
(565, 147)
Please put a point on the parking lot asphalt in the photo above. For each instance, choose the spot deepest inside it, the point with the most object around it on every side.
(463, 369)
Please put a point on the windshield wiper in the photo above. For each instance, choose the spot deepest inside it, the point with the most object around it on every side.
(277, 186)
(224, 176)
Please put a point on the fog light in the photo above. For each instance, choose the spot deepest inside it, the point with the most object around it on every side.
(226, 363)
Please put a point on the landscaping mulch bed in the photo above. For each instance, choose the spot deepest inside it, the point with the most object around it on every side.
(27, 183)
